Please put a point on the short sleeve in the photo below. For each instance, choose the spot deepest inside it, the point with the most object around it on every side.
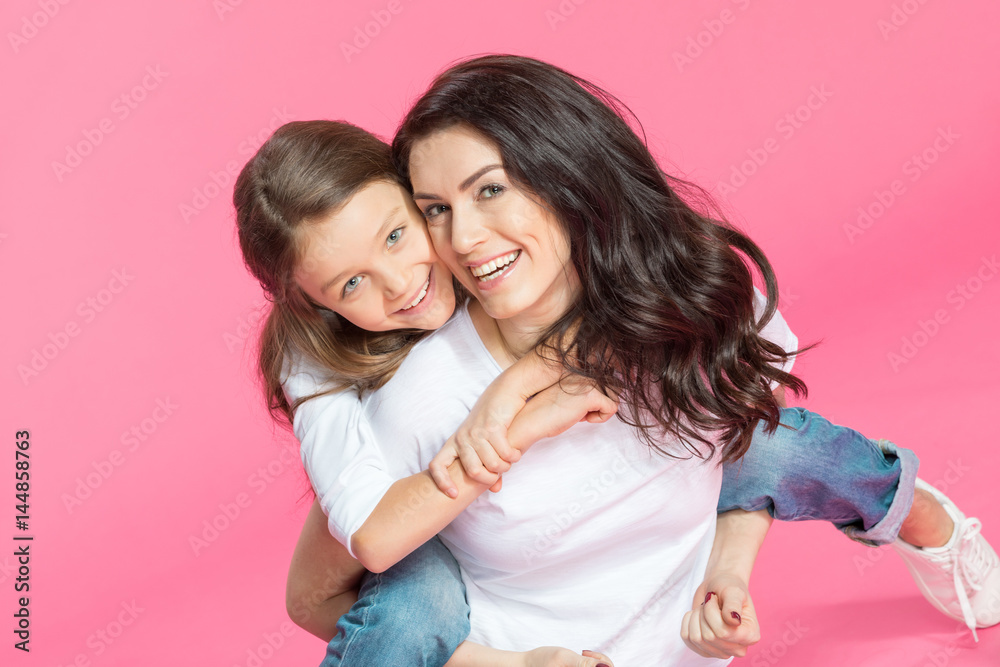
(777, 330)
(339, 452)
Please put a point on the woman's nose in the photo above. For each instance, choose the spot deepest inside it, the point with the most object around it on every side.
(467, 231)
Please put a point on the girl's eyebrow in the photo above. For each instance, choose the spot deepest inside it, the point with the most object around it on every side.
(464, 185)
(386, 223)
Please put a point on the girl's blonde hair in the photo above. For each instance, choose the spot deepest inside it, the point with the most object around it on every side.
(306, 171)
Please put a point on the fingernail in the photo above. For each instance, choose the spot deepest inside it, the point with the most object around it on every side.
(708, 597)
(737, 616)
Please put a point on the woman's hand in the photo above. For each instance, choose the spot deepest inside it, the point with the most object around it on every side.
(553, 656)
(722, 621)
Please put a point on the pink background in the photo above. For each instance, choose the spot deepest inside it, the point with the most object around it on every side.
(147, 195)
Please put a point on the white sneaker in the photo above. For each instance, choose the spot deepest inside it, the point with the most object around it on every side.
(962, 578)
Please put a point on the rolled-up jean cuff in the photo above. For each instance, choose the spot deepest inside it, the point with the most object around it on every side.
(887, 529)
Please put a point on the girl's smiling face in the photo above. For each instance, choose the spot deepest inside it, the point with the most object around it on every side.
(507, 249)
(372, 263)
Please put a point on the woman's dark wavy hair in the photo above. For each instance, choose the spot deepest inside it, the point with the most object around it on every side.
(665, 316)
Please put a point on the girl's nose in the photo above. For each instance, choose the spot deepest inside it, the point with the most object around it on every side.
(396, 280)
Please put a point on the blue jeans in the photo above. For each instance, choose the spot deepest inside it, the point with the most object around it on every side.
(416, 613)
(813, 469)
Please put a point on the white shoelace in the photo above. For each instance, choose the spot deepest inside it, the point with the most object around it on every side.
(970, 564)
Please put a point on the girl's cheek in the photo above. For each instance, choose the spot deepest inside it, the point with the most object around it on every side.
(441, 244)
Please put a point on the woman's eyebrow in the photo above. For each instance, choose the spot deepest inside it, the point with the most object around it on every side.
(464, 185)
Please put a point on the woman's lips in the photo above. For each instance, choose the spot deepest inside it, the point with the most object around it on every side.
(487, 273)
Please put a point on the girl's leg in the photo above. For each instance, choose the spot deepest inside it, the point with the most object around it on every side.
(414, 613)
(813, 469)
(810, 468)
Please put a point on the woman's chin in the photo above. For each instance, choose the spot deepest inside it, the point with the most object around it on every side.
(500, 309)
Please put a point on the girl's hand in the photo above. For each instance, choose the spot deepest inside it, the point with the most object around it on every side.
(553, 656)
(481, 441)
(546, 415)
(573, 399)
(722, 621)
(438, 469)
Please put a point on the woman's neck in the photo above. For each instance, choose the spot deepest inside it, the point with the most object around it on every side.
(511, 338)
(506, 340)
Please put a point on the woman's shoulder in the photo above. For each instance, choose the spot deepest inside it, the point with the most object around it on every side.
(451, 363)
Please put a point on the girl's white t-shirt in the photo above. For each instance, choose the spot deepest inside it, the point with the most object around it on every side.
(595, 541)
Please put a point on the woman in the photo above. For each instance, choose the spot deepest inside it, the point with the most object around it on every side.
(673, 380)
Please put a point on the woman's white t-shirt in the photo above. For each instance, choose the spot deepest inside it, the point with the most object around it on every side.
(595, 540)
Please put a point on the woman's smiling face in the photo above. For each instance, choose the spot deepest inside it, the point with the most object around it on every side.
(507, 249)
(372, 263)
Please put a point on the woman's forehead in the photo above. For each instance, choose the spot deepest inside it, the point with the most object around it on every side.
(450, 149)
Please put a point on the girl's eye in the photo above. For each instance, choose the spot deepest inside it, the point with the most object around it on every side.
(491, 190)
(351, 285)
(394, 237)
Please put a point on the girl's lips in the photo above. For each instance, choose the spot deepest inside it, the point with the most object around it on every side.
(424, 303)
(499, 276)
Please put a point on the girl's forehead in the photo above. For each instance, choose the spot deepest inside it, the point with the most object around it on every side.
(354, 229)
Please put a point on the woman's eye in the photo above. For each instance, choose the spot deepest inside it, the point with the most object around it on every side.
(435, 210)
(491, 190)
(394, 236)
(351, 284)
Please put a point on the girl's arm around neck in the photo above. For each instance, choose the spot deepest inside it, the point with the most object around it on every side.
(413, 509)
(411, 512)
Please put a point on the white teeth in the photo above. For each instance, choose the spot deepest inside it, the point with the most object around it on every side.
(494, 265)
(420, 297)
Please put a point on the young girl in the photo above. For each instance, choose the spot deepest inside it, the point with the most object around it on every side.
(410, 296)
(306, 171)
